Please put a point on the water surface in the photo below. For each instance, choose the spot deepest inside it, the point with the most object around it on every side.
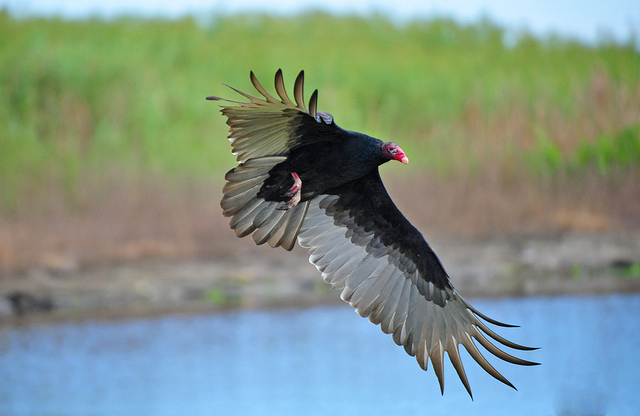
(320, 361)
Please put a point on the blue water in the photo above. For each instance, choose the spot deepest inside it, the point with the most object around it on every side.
(320, 361)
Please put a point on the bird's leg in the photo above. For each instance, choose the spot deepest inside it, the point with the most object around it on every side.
(297, 185)
(293, 192)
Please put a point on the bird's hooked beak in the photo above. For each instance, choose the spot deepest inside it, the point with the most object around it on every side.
(400, 156)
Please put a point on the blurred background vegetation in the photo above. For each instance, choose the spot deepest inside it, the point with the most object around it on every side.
(108, 149)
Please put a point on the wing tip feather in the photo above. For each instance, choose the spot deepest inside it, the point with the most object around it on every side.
(313, 104)
(298, 91)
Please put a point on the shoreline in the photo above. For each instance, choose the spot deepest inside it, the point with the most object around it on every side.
(568, 264)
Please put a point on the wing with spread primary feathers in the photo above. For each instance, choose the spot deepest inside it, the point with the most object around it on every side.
(262, 133)
(268, 126)
(362, 244)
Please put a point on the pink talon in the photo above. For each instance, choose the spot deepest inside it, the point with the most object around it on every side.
(297, 185)
(294, 192)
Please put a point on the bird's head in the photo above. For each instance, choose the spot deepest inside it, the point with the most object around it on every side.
(392, 151)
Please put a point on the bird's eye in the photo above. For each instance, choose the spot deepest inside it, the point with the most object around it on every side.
(393, 150)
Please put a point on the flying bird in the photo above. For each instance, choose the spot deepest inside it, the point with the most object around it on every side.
(302, 178)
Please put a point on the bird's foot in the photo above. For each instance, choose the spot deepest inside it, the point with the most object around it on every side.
(294, 193)
(297, 185)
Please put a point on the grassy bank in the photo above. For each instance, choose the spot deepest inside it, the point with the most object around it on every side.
(98, 114)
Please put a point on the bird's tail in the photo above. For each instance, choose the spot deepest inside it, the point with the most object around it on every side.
(252, 214)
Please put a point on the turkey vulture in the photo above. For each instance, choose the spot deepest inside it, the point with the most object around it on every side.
(300, 176)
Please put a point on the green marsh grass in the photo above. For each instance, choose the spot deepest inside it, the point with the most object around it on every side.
(93, 110)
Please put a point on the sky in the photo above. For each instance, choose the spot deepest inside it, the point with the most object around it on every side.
(588, 21)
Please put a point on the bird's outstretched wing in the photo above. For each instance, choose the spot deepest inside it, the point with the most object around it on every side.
(362, 244)
(273, 126)
(262, 133)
